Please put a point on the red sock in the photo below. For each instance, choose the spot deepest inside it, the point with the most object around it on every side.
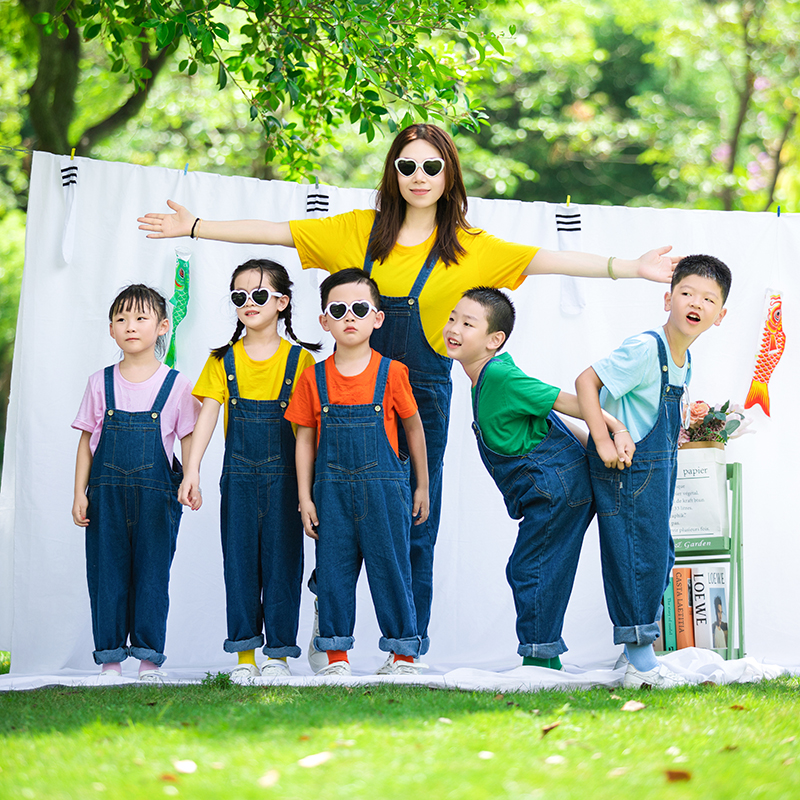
(407, 659)
(337, 655)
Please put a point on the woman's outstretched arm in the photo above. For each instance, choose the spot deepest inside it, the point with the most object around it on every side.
(654, 265)
(181, 223)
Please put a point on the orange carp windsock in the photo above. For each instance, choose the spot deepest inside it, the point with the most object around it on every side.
(773, 340)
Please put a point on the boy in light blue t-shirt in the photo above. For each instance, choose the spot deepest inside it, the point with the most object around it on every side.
(642, 384)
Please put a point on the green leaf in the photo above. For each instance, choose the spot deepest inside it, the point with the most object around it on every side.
(340, 33)
(350, 77)
(253, 113)
(91, 31)
(41, 19)
(222, 76)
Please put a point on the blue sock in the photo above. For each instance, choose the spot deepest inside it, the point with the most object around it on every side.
(642, 656)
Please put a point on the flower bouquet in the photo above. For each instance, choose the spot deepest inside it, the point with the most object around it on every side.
(714, 424)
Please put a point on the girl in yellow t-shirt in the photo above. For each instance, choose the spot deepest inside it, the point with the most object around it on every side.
(425, 256)
(262, 532)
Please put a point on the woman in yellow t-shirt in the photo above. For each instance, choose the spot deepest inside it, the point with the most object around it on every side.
(422, 252)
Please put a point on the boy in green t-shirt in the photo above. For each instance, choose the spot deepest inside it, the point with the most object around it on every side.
(537, 463)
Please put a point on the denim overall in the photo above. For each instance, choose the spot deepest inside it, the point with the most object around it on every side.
(550, 491)
(633, 510)
(363, 499)
(402, 338)
(134, 515)
(262, 531)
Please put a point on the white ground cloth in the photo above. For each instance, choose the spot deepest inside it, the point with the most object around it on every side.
(62, 338)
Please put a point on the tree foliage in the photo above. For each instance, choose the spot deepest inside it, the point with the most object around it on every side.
(367, 62)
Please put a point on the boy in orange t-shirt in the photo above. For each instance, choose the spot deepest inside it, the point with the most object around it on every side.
(354, 490)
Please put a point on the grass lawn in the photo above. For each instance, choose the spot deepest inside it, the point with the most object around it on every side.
(222, 741)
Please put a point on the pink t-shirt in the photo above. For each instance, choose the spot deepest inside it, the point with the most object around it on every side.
(177, 419)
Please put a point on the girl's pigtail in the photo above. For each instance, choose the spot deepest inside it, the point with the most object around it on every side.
(286, 316)
(219, 353)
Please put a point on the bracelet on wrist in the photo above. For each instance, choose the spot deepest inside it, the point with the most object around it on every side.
(612, 434)
(194, 225)
(610, 269)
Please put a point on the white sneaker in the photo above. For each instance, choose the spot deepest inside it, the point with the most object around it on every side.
(660, 677)
(275, 668)
(622, 661)
(337, 669)
(244, 673)
(152, 676)
(109, 677)
(317, 659)
(392, 667)
(387, 667)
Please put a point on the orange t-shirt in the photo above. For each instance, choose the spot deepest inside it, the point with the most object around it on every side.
(354, 390)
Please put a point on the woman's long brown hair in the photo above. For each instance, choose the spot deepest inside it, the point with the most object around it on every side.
(451, 210)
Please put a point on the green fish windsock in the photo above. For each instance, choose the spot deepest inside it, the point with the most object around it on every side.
(180, 299)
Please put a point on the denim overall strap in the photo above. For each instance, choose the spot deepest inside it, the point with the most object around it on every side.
(380, 381)
(163, 392)
(633, 511)
(259, 522)
(402, 337)
(289, 375)
(549, 490)
(322, 386)
(108, 378)
(230, 373)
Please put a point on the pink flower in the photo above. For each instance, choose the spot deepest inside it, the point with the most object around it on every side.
(698, 411)
(683, 437)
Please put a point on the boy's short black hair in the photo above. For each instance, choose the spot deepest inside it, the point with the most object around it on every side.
(345, 276)
(500, 314)
(704, 267)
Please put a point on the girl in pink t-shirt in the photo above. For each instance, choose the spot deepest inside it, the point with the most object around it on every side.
(126, 485)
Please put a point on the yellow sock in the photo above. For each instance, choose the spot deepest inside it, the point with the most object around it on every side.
(247, 657)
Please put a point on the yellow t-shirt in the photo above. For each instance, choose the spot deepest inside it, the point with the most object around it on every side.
(338, 242)
(257, 380)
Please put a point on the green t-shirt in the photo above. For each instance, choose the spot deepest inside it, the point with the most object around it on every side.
(513, 407)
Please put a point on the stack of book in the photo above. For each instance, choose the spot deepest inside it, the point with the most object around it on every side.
(695, 608)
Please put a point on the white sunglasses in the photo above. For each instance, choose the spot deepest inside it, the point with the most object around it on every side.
(259, 296)
(360, 309)
(409, 166)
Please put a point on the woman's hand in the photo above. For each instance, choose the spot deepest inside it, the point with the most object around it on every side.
(168, 226)
(656, 265)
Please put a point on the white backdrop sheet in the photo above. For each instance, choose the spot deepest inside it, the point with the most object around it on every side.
(62, 338)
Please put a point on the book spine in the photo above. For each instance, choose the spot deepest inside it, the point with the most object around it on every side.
(717, 601)
(702, 623)
(670, 642)
(684, 627)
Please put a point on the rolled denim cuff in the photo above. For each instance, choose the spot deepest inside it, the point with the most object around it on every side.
(425, 645)
(292, 651)
(411, 646)
(334, 642)
(242, 645)
(146, 654)
(550, 650)
(110, 656)
(637, 634)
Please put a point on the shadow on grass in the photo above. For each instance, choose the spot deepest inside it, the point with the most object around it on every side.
(214, 711)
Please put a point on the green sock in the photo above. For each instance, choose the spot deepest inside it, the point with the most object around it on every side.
(550, 663)
(530, 661)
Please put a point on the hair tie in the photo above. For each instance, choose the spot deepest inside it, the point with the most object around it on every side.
(191, 235)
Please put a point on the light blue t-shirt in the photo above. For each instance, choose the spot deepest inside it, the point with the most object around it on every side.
(631, 378)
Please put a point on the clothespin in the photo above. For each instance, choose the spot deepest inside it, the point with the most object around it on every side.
(779, 212)
(186, 168)
(316, 184)
(72, 155)
(568, 199)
